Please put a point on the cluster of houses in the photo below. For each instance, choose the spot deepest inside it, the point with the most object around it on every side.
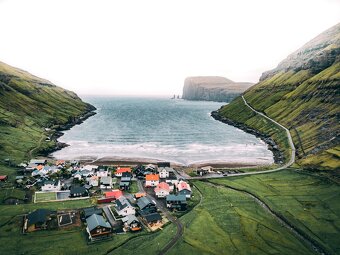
(166, 185)
(119, 211)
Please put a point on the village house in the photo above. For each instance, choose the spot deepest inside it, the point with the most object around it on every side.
(87, 212)
(97, 227)
(123, 207)
(77, 175)
(78, 191)
(153, 219)
(131, 223)
(162, 189)
(172, 178)
(146, 205)
(50, 185)
(183, 188)
(90, 168)
(106, 182)
(38, 220)
(176, 202)
(151, 180)
(110, 196)
(121, 170)
(124, 185)
(3, 178)
(86, 173)
(204, 170)
(164, 172)
(150, 168)
(102, 173)
(93, 181)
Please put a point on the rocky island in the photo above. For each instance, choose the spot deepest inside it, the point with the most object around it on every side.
(213, 88)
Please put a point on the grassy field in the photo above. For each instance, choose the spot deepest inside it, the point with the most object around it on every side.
(312, 204)
(46, 196)
(230, 222)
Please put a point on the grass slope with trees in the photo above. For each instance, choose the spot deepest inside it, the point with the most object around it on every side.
(302, 93)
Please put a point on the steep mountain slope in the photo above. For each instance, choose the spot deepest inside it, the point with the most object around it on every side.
(302, 93)
(213, 88)
(28, 105)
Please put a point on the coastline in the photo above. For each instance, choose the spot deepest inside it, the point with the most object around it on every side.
(57, 131)
(272, 146)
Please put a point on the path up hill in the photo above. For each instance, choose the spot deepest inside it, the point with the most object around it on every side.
(301, 93)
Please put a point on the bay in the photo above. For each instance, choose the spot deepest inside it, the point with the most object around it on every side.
(178, 131)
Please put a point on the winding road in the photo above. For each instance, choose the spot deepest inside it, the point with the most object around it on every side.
(171, 218)
(289, 163)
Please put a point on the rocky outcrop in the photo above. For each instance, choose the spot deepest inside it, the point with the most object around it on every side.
(315, 56)
(213, 88)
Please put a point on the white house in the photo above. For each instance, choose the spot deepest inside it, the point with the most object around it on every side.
(90, 167)
(93, 181)
(164, 172)
(151, 180)
(162, 189)
(123, 207)
(51, 186)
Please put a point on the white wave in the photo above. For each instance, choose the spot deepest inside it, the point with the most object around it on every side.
(184, 154)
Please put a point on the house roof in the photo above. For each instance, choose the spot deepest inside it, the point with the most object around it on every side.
(106, 180)
(144, 202)
(123, 169)
(92, 210)
(95, 221)
(114, 193)
(152, 177)
(3, 177)
(173, 198)
(122, 203)
(183, 185)
(162, 186)
(77, 190)
(129, 219)
(37, 161)
(153, 217)
(39, 167)
(38, 216)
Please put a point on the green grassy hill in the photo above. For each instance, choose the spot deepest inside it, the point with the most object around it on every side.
(302, 93)
(28, 105)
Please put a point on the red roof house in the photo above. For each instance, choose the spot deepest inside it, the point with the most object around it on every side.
(121, 170)
(114, 194)
(162, 189)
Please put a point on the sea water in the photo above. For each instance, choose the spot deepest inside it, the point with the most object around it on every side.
(174, 130)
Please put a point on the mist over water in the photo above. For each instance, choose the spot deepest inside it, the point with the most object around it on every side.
(163, 129)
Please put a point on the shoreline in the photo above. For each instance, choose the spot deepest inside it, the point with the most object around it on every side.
(144, 161)
(272, 146)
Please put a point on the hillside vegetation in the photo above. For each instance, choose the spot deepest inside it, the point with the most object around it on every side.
(28, 105)
(302, 93)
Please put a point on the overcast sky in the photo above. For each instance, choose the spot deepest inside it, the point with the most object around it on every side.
(149, 47)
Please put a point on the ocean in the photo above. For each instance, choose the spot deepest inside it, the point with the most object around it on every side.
(178, 131)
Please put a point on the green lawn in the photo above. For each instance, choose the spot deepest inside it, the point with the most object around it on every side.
(46, 196)
(310, 203)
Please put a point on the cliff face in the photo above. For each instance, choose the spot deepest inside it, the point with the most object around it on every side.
(302, 93)
(28, 105)
(213, 88)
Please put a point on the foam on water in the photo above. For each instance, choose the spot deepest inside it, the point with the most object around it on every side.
(161, 129)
